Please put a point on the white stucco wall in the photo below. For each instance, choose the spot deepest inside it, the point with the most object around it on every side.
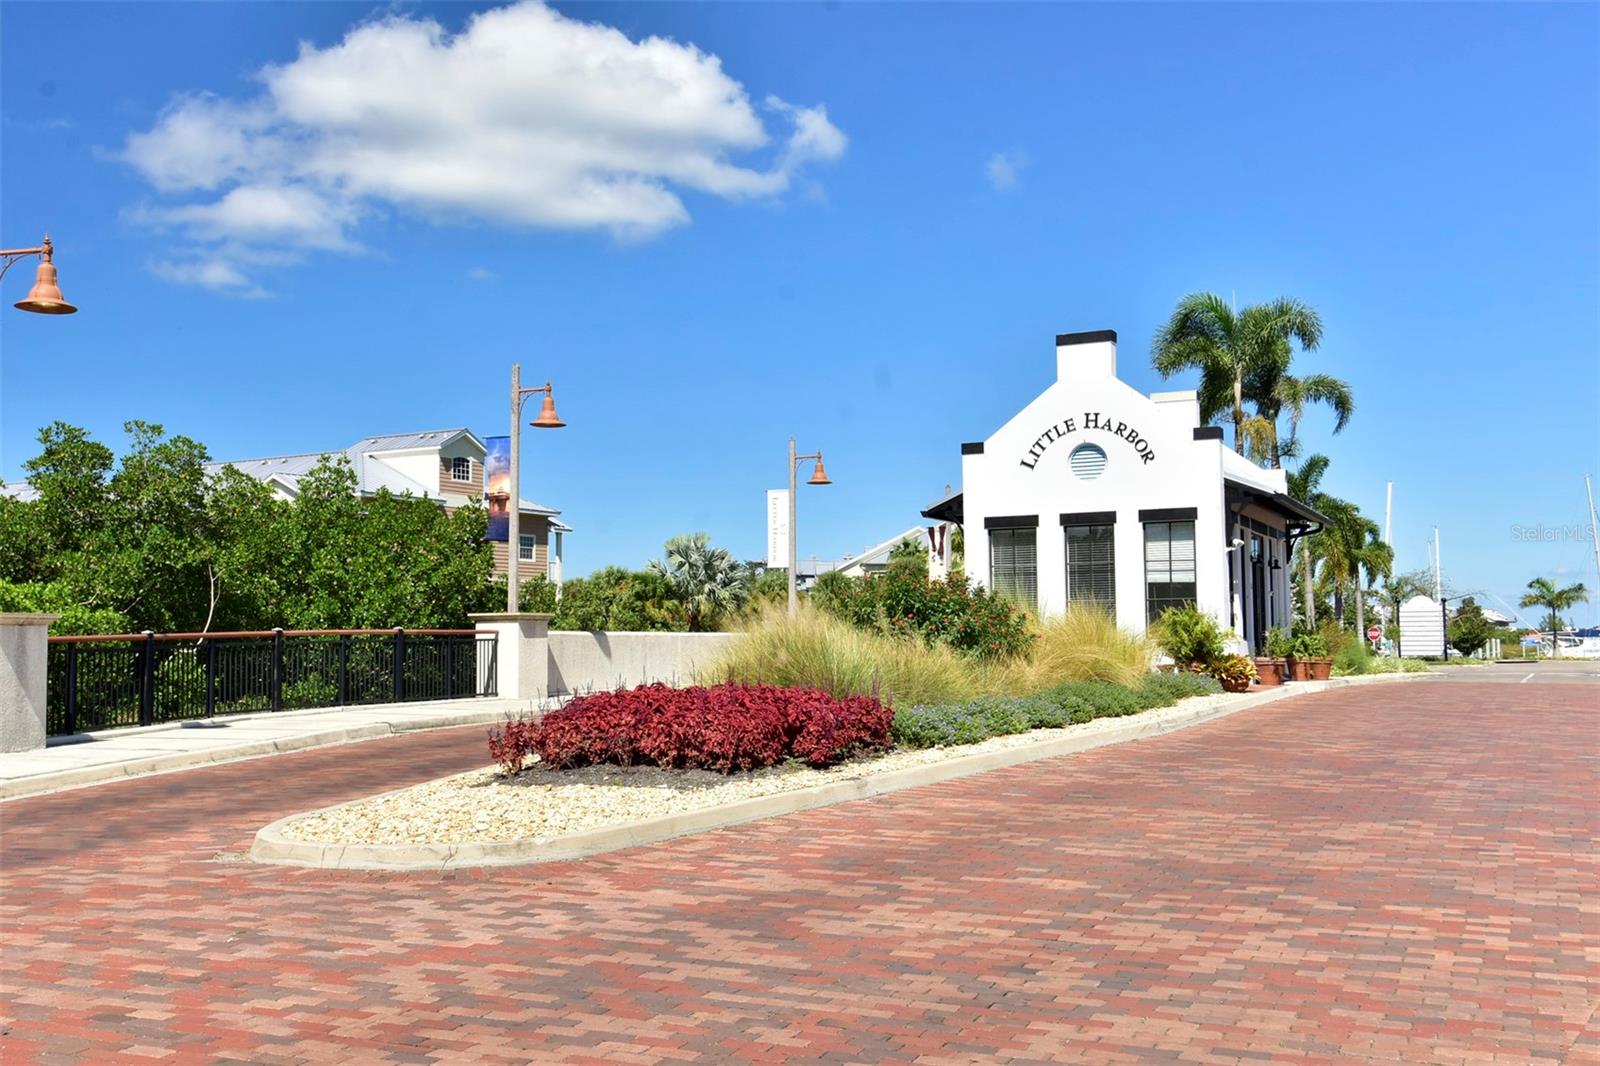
(1154, 464)
(587, 661)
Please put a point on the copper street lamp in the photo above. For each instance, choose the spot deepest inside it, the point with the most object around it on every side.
(548, 419)
(45, 297)
(819, 476)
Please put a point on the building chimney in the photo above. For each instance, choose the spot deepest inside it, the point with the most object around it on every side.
(1090, 356)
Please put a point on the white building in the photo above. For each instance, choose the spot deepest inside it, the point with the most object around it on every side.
(1097, 494)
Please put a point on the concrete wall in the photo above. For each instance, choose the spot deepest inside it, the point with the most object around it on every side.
(591, 661)
(24, 660)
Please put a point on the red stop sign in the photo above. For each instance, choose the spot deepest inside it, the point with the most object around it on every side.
(1374, 632)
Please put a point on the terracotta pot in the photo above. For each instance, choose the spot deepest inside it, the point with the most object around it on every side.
(1299, 669)
(1321, 669)
(1231, 684)
(1269, 672)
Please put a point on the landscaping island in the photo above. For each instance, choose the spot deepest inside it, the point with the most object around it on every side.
(486, 817)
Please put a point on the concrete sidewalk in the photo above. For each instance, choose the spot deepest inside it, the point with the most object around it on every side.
(116, 753)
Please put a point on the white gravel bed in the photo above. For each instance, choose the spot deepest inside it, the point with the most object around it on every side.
(539, 804)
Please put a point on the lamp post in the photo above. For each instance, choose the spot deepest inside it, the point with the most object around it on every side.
(548, 419)
(45, 297)
(819, 476)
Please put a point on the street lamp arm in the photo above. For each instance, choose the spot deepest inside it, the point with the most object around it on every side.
(12, 256)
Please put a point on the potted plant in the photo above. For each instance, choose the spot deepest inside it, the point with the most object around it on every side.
(1273, 668)
(1315, 651)
(1308, 658)
(1234, 672)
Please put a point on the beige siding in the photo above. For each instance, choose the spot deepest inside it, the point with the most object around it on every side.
(470, 487)
(537, 526)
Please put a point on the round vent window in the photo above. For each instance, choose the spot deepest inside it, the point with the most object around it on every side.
(1088, 461)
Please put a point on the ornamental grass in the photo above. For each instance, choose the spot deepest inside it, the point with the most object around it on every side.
(1085, 645)
(817, 650)
(821, 651)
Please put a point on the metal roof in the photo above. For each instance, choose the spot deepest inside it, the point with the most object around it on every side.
(366, 459)
(397, 442)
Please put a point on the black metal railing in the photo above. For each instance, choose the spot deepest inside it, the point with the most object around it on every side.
(127, 679)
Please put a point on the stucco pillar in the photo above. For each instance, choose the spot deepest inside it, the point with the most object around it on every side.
(24, 657)
(522, 653)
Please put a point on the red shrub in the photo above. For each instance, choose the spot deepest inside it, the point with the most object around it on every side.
(511, 744)
(725, 728)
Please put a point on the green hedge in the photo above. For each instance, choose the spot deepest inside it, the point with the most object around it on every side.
(1069, 703)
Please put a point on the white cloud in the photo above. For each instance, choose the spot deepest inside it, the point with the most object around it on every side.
(212, 272)
(525, 117)
(1003, 169)
(479, 273)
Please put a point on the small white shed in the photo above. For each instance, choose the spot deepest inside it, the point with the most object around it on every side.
(1421, 628)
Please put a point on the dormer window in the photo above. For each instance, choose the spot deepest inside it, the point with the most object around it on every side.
(461, 468)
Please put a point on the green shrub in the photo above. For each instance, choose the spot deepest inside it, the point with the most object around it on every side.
(1189, 635)
(1071, 702)
(1376, 665)
(1279, 644)
(1163, 690)
(619, 600)
(1335, 637)
(1351, 660)
(903, 602)
(1106, 699)
(310, 691)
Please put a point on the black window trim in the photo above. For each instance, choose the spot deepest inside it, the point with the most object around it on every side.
(1169, 514)
(1016, 521)
(1090, 518)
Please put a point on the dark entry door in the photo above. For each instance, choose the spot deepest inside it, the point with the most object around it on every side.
(1258, 593)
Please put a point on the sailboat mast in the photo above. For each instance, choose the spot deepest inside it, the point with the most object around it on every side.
(1594, 528)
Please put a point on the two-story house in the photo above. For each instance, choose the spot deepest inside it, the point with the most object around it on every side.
(441, 464)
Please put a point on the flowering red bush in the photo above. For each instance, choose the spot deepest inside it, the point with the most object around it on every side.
(725, 728)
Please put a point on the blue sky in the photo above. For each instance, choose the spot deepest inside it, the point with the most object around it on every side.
(866, 279)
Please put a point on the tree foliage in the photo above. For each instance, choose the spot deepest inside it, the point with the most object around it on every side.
(1542, 592)
(1229, 348)
(709, 582)
(156, 541)
(1469, 630)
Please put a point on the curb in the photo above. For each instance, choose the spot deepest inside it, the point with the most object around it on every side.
(273, 847)
(62, 780)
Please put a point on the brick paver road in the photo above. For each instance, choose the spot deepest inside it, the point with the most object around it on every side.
(1394, 873)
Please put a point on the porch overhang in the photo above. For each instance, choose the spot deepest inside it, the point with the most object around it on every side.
(948, 509)
(1300, 519)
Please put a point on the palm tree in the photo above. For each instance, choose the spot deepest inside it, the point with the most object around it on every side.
(1542, 592)
(1304, 485)
(1344, 543)
(708, 581)
(1206, 333)
(1276, 392)
(1376, 560)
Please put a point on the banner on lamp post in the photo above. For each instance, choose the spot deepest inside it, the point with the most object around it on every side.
(497, 486)
(778, 528)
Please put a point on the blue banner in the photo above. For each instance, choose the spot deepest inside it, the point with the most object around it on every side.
(497, 486)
